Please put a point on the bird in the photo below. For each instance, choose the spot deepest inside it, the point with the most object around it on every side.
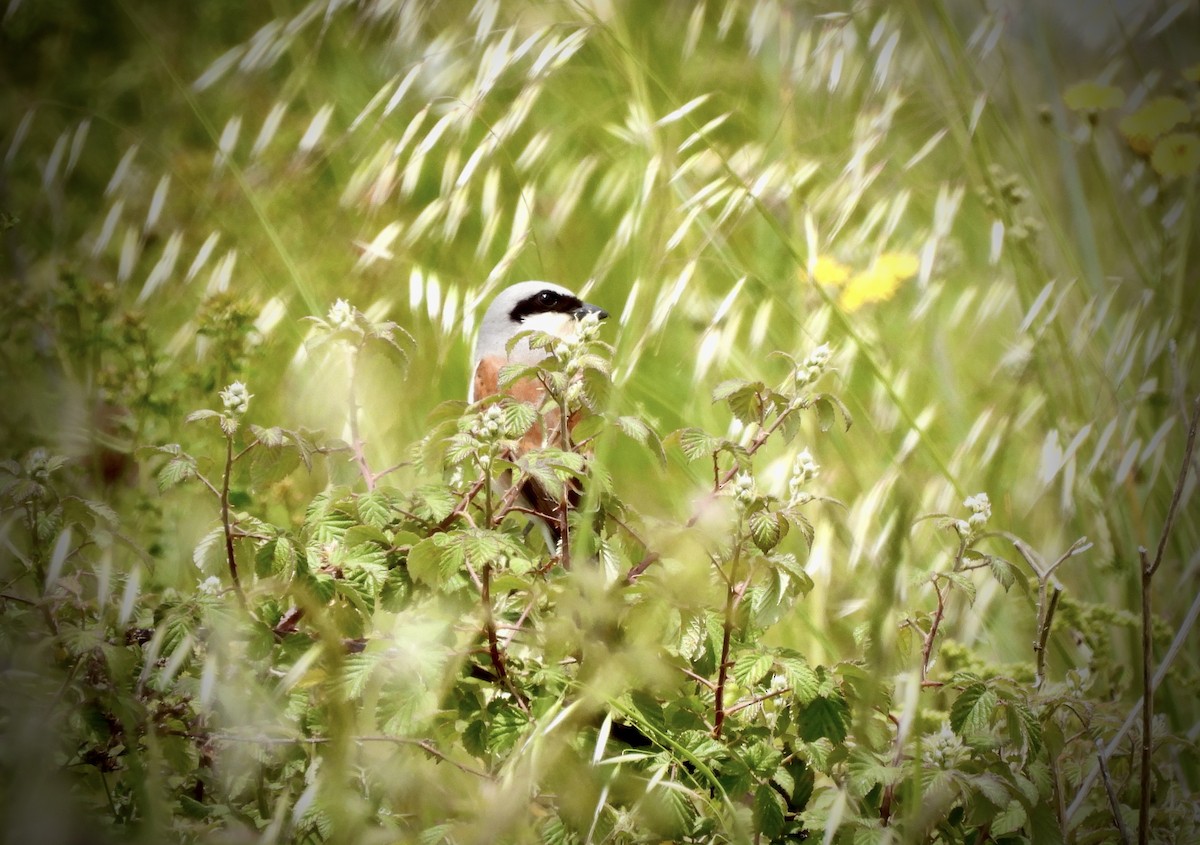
(527, 306)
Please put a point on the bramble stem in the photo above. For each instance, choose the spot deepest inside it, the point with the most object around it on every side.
(1148, 569)
(227, 525)
(732, 594)
(489, 627)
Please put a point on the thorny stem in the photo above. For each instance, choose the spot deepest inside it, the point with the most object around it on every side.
(720, 480)
(1048, 595)
(489, 625)
(564, 527)
(732, 594)
(1113, 804)
(1148, 569)
(461, 507)
(1046, 608)
(227, 525)
(934, 625)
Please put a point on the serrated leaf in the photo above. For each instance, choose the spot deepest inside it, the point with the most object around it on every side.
(205, 551)
(729, 387)
(963, 581)
(991, 787)
(1024, 729)
(203, 414)
(747, 403)
(433, 501)
(768, 812)
(505, 728)
(519, 417)
(375, 508)
(1003, 571)
(800, 677)
(971, 713)
(435, 559)
(826, 405)
(825, 717)
(176, 471)
(273, 437)
(696, 443)
(751, 667)
(634, 428)
(766, 529)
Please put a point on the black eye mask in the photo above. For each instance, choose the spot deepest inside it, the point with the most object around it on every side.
(545, 302)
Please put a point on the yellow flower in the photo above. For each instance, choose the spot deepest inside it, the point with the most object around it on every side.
(1093, 97)
(1177, 154)
(902, 265)
(872, 285)
(1152, 121)
(830, 271)
(1192, 74)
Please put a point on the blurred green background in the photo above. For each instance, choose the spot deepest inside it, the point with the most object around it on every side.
(988, 212)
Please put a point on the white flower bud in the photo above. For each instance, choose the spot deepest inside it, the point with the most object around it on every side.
(980, 507)
(210, 586)
(236, 398)
(341, 315)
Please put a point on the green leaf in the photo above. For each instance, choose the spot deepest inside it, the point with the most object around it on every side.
(729, 387)
(991, 787)
(751, 667)
(1024, 729)
(825, 717)
(768, 812)
(375, 508)
(507, 724)
(640, 430)
(696, 443)
(963, 581)
(826, 405)
(971, 713)
(519, 417)
(804, 682)
(433, 501)
(766, 529)
(1003, 571)
(272, 438)
(746, 402)
(203, 414)
(435, 559)
(175, 471)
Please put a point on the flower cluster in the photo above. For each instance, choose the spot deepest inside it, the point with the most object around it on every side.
(743, 489)
(341, 316)
(944, 750)
(236, 398)
(804, 470)
(814, 365)
(981, 511)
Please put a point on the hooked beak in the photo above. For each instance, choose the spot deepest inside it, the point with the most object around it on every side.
(585, 309)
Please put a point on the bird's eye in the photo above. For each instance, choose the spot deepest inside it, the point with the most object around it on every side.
(547, 297)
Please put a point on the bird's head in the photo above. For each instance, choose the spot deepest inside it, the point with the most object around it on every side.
(530, 306)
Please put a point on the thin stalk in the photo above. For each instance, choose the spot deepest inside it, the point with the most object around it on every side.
(1113, 804)
(489, 627)
(931, 635)
(226, 523)
(1149, 567)
(731, 598)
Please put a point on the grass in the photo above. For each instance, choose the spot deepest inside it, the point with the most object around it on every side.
(687, 166)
